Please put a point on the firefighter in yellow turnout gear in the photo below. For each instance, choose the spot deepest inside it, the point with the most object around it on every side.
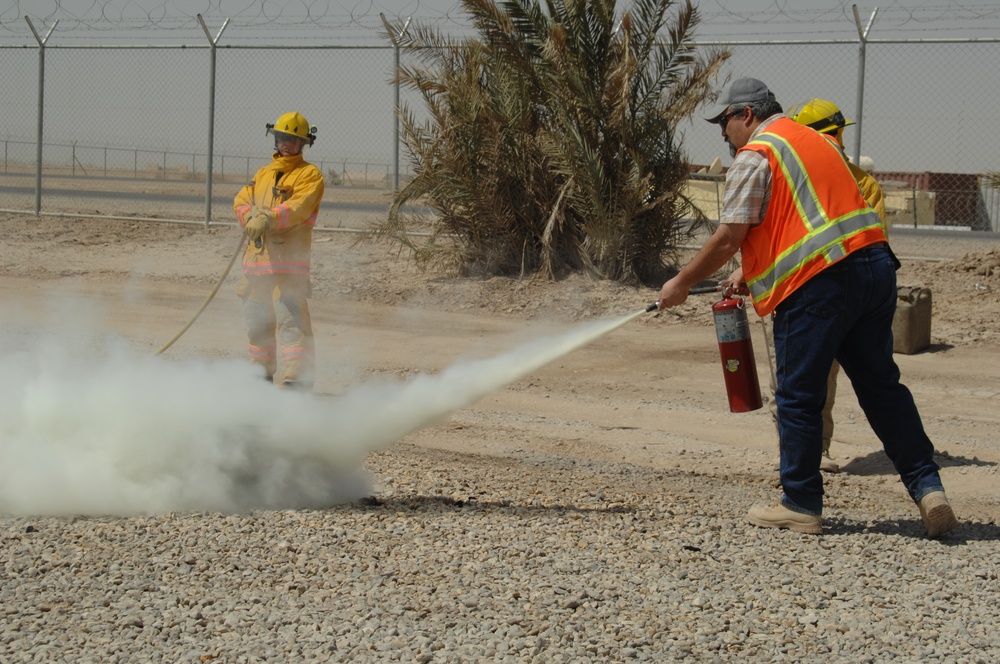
(278, 210)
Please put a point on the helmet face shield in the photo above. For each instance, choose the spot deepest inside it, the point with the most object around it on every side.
(282, 137)
(287, 144)
(835, 121)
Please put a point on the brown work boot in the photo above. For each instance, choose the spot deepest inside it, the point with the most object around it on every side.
(782, 517)
(937, 514)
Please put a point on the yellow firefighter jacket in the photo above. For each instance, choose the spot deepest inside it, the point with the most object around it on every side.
(871, 191)
(291, 189)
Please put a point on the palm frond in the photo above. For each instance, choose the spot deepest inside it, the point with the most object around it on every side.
(551, 142)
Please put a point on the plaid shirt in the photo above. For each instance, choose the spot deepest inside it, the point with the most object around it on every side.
(748, 185)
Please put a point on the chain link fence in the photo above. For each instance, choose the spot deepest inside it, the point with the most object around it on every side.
(172, 131)
(126, 129)
(919, 119)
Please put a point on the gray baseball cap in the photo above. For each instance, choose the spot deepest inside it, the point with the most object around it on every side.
(741, 91)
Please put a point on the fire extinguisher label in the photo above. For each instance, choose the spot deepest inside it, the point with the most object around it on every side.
(732, 365)
(731, 326)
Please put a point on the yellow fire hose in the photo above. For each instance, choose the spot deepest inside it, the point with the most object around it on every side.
(218, 284)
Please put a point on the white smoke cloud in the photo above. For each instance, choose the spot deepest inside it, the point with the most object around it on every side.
(114, 431)
(90, 425)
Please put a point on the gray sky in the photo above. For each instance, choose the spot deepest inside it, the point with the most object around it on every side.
(359, 19)
(924, 105)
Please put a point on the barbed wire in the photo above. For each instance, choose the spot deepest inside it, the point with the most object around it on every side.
(176, 19)
(314, 21)
(899, 19)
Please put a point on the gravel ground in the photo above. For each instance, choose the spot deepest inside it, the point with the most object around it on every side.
(533, 559)
(528, 557)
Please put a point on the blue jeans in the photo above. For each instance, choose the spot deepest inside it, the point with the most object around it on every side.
(844, 313)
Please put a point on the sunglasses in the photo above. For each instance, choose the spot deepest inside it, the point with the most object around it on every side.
(724, 120)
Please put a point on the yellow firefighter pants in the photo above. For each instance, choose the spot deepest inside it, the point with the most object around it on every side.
(277, 316)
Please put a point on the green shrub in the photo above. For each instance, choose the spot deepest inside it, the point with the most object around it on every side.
(552, 141)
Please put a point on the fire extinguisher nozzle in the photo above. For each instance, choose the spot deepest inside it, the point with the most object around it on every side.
(653, 307)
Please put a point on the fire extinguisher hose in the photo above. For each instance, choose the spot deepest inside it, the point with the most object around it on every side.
(204, 305)
(699, 290)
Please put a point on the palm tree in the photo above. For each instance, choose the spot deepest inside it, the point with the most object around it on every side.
(551, 143)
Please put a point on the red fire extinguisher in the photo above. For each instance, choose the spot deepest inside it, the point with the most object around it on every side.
(736, 348)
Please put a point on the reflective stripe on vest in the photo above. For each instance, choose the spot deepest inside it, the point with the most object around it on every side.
(825, 236)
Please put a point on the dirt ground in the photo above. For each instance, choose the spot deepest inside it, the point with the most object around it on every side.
(650, 393)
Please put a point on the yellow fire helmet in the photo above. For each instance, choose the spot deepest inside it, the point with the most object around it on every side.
(293, 124)
(820, 114)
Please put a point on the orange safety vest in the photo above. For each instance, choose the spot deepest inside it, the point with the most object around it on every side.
(815, 218)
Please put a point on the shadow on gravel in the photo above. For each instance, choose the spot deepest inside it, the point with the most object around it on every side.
(935, 348)
(967, 531)
(877, 463)
(436, 503)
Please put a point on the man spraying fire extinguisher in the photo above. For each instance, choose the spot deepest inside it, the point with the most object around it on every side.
(815, 254)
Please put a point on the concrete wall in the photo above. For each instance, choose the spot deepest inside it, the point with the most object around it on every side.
(904, 206)
(908, 207)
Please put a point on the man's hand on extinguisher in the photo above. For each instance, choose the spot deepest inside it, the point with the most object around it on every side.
(673, 293)
(736, 282)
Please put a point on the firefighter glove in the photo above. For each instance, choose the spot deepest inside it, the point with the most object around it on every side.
(258, 225)
(250, 214)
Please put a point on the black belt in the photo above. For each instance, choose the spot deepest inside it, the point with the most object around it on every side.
(885, 245)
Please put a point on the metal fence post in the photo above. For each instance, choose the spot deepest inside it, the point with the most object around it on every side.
(863, 38)
(395, 116)
(395, 109)
(41, 111)
(211, 116)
